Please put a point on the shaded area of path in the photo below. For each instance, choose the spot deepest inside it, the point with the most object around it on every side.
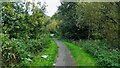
(64, 57)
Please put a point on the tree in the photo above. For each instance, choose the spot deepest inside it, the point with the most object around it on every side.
(89, 21)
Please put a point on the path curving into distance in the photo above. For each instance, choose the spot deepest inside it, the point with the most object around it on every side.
(64, 57)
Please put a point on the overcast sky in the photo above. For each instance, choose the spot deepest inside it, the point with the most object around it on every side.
(52, 5)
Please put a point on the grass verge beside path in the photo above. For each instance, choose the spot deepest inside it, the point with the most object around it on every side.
(80, 56)
(51, 51)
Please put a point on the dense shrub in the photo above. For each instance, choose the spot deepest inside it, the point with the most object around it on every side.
(23, 34)
(104, 55)
(19, 52)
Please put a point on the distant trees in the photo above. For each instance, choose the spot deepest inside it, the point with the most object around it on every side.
(89, 21)
(67, 15)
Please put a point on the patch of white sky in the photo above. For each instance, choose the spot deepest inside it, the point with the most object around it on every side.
(52, 5)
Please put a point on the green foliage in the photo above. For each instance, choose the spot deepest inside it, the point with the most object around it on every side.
(89, 21)
(52, 26)
(51, 52)
(23, 34)
(82, 58)
(67, 13)
(19, 23)
(100, 50)
(18, 52)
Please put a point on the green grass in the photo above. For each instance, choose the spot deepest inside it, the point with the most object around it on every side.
(101, 51)
(51, 51)
(81, 57)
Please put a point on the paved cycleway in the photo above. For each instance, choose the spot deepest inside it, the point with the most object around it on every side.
(64, 57)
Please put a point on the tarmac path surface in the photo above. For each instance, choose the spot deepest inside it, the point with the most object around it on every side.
(64, 57)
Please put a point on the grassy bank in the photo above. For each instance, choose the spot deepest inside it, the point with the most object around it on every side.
(51, 52)
(80, 56)
(101, 51)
